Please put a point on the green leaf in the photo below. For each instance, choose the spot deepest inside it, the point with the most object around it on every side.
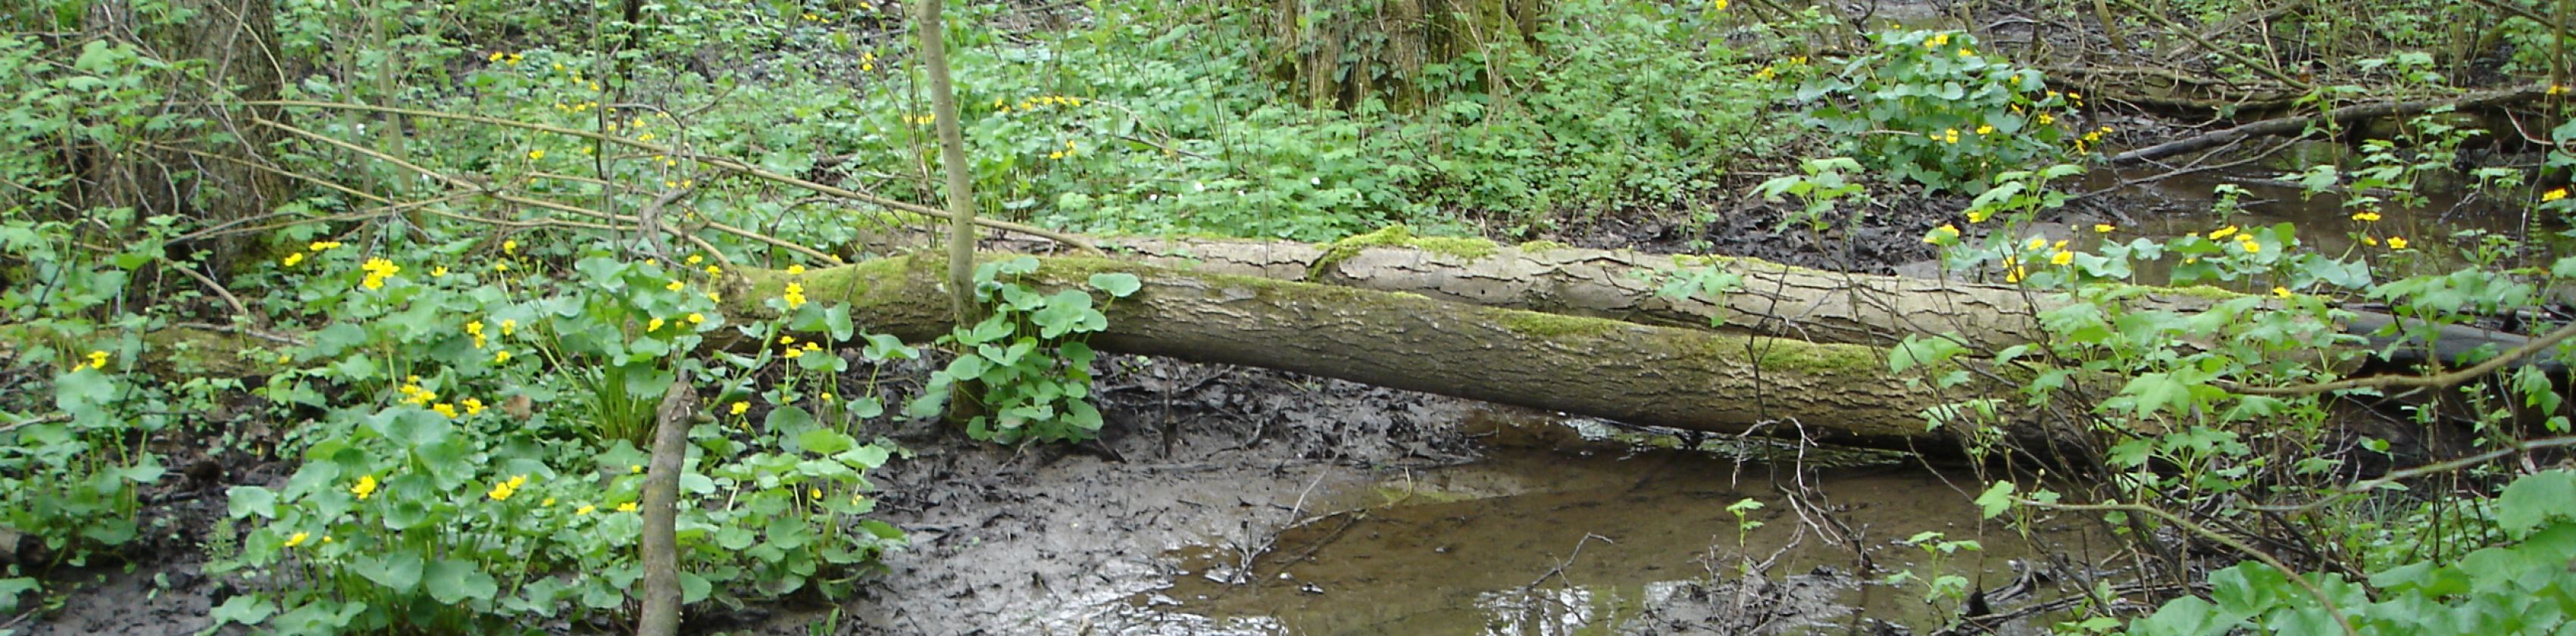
(824, 441)
(788, 419)
(399, 572)
(1996, 498)
(454, 581)
(244, 501)
(245, 609)
(2153, 391)
(2533, 500)
(1118, 284)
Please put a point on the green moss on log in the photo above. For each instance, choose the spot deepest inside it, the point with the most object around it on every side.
(1400, 236)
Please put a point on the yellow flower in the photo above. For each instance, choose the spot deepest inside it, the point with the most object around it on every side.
(365, 488)
(696, 259)
(509, 326)
(739, 407)
(550, 501)
(2103, 228)
(2061, 258)
(2370, 240)
(1938, 39)
(676, 286)
(500, 267)
(2367, 216)
(795, 353)
(697, 318)
(501, 357)
(2250, 246)
(2223, 232)
(2045, 119)
(635, 469)
(787, 340)
(1721, 5)
(473, 406)
(795, 269)
(2553, 195)
(2396, 242)
(626, 507)
(584, 509)
(1985, 129)
(2283, 292)
(814, 493)
(444, 408)
(714, 271)
(827, 397)
(538, 154)
(2036, 242)
(2555, 89)
(502, 491)
(292, 259)
(2016, 274)
(795, 295)
(322, 245)
(296, 539)
(1964, 52)
(438, 272)
(1950, 135)
(654, 325)
(98, 359)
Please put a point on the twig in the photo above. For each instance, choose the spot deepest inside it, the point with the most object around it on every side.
(727, 163)
(1568, 562)
(2414, 381)
(236, 303)
(2287, 125)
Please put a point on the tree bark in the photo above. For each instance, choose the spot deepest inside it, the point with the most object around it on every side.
(660, 542)
(1774, 300)
(237, 39)
(1692, 379)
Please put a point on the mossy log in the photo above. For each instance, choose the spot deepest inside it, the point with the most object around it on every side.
(1773, 300)
(1693, 379)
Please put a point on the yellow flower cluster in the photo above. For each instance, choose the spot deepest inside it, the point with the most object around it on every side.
(501, 357)
(2553, 195)
(1034, 103)
(1949, 135)
(2366, 216)
(502, 491)
(794, 352)
(413, 394)
(475, 329)
(377, 271)
(795, 296)
(1938, 40)
(512, 59)
(98, 359)
(867, 61)
(2243, 241)
(1068, 151)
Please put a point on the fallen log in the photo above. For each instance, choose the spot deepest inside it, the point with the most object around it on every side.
(1693, 379)
(1773, 299)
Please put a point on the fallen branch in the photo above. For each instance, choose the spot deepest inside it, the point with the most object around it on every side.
(2289, 125)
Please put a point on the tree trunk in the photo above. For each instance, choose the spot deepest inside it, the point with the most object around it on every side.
(237, 39)
(1642, 374)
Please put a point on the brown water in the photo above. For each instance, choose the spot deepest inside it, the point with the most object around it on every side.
(1559, 534)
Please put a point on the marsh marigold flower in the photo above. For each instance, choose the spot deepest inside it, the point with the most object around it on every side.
(2553, 195)
(2396, 242)
(626, 507)
(366, 487)
(296, 539)
(2222, 233)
